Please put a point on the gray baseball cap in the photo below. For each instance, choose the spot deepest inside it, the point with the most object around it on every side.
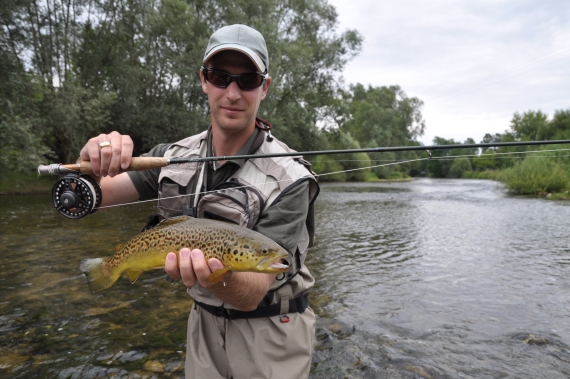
(240, 38)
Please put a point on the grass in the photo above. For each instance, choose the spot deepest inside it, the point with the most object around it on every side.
(25, 183)
(536, 177)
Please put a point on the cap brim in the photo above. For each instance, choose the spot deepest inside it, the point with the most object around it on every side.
(240, 48)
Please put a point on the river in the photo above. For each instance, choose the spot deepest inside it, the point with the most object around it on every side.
(419, 279)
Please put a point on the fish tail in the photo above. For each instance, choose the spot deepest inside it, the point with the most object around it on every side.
(98, 276)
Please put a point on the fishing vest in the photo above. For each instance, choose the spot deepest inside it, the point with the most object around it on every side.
(242, 199)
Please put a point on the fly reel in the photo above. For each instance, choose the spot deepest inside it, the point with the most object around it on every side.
(75, 196)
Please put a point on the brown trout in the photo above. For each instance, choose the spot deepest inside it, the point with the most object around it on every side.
(238, 248)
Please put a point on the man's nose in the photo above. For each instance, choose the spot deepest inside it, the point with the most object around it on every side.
(233, 92)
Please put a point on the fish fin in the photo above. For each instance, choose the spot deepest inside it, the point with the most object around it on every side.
(134, 275)
(118, 247)
(98, 277)
(171, 221)
(217, 275)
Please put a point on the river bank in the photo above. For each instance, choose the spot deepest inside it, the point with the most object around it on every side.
(25, 183)
(31, 184)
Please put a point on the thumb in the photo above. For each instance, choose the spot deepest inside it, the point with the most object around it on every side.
(215, 264)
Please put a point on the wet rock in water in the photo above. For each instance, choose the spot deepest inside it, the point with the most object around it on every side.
(532, 340)
(177, 366)
(104, 357)
(154, 366)
(9, 361)
(418, 371)
(129, 356)
(94, 372)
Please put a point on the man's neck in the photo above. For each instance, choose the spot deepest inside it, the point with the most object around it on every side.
(228, 144)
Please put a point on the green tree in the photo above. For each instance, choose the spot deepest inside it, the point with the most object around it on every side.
(529, 126)
(559, 126)
(381, 116)
(536, 175)
(355, 165)
(459, 166)
(485, 161)
(132, 65)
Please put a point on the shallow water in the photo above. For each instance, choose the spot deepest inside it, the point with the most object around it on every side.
(420, 279)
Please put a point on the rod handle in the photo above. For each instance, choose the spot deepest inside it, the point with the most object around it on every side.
(85, 167)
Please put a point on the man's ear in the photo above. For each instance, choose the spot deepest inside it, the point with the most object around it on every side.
(266, 86)
(203, 80)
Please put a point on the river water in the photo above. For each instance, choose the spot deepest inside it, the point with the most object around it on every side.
(420, 279)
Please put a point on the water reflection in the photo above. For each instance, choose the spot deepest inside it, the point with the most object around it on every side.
(421, 279)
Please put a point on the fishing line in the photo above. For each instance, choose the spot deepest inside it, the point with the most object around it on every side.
(482, 156)
(352, 170)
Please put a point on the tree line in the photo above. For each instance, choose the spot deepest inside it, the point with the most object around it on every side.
(72, 69)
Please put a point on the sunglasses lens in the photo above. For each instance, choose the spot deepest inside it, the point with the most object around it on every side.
(249, 81)
(223, 79)
(218, 78)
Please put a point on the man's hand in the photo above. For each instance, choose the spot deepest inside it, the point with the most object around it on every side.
(193, 267)
(243, 290)
(108, 160)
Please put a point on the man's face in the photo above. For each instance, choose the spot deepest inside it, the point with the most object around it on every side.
(233, 109)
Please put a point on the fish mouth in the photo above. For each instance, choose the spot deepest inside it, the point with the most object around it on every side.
(271, 265)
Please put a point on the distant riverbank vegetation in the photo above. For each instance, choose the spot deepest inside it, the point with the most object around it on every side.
(72, 70)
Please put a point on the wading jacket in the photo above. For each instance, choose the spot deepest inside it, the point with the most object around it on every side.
(252, 189)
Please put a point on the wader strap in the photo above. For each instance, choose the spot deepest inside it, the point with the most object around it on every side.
(297, 305)
(284, 305)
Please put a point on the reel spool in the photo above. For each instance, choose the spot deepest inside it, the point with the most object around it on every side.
(75, 196)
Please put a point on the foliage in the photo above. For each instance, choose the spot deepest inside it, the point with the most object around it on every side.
(491, 175)
(86, 67)
(328, 169)
(536, 175)
(459, 166)
(21, 148)
(441, 164)
(530, 125)
(355, 165)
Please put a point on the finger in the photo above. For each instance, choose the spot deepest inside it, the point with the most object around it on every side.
(200, 266)
(216, 264)
(171, 266)
(90, 152)
(115, 153)
(127, 146)
(106, 154)
(186, 267)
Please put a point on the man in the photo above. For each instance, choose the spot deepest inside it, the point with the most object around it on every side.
(250, 325)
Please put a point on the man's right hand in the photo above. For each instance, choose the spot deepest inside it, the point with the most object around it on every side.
(108, 160)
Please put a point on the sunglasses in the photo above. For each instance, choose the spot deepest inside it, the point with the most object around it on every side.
(223, 79)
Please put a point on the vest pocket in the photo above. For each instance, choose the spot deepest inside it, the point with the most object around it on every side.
(232, 201)
(172, 187)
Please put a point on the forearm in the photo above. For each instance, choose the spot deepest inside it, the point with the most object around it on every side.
(243, 290)
(117, 190)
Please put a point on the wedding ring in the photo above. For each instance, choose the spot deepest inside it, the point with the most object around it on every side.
(105, 144)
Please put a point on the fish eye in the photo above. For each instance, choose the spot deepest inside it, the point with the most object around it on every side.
(264, 251)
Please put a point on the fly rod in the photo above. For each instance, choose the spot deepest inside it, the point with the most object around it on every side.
(147, 163)
(78, 194)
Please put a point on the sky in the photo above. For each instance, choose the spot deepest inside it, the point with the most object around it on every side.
(473, 63)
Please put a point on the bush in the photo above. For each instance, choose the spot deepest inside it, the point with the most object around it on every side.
(396, 175)
(458, 167)
(325, 165)
(533, 176)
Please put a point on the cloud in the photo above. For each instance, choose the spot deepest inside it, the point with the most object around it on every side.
(472, 63)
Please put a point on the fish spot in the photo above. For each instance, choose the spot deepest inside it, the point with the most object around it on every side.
(235, 252)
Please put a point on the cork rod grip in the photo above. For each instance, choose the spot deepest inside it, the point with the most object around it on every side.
(137, 164)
